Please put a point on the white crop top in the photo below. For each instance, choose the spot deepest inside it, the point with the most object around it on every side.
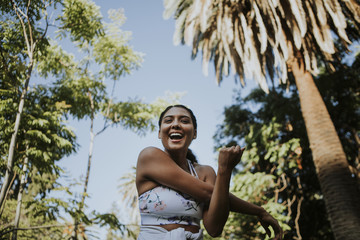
(163, 205)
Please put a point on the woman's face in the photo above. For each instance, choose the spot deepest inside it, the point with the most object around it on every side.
(177, 129)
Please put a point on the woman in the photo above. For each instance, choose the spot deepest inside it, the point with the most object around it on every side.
(175, 192)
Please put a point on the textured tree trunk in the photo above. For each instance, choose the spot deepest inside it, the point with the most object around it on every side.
(341, 194)
(31, 45)
(91, 147)
(19, 201)
(10, 161)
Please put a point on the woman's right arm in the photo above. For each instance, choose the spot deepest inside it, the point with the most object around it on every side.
(155, 165)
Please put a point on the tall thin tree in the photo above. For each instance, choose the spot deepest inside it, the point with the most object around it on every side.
(263, 40)
(25, 14)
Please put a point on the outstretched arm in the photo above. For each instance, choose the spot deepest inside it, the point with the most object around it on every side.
(266, 220)
(153, 163)
(214, 224)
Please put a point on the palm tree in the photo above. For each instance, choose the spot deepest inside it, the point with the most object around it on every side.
(129, 199)
(127, 188)
(266, 39)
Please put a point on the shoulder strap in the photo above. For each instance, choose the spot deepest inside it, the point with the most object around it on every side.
(192, 169)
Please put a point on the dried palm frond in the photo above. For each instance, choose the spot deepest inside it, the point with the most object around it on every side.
(256, 38)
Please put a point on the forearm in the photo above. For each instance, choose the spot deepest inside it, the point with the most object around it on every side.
(218, 210)
(244, 207)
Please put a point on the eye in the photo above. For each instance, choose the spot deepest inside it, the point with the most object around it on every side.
(185, 120)
(167, 120)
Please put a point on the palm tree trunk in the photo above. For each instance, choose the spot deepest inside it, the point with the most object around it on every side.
(341, 194)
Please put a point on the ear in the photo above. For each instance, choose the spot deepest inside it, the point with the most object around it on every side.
(195, 134)
(159, 135)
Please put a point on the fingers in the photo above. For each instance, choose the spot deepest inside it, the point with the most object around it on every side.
(268, 220)
(234, 149)
(278, 232)
(266, 227)
(268, 232)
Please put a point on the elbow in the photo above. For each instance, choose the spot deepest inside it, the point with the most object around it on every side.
(206, 196)
(215, 233)
(214, 229)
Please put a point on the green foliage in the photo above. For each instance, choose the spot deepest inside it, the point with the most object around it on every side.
(82, 19)
(111, 51)
(51, 229)
(276, 170)
(44, 136)
(254, 188)
(277, 150)
(134, 114)
(48, 136)
(56, 62)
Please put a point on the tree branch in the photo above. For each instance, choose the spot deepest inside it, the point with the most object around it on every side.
(297, 218)
(7, 192)
(30, 228)
(17, 10)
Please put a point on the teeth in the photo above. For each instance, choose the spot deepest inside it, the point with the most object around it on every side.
(176, 135)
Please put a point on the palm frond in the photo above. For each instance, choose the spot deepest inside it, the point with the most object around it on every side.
(255, 38)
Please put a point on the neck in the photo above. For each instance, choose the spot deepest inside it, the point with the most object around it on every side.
(179, 158)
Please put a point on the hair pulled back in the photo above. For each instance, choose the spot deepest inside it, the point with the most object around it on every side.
(189, 155)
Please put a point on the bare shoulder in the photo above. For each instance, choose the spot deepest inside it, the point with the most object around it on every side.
(149, 153)
(144, 169)
(205, 172)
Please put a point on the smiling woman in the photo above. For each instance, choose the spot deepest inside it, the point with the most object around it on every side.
(176, 193)
(178, 127)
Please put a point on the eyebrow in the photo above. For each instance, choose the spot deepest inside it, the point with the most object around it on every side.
(181, 116)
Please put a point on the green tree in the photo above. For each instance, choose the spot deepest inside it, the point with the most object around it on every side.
(34, 134)
(265, 39)
(19, 24)
(87, 93)
(127, 206)
(281, 148)
(43, 140)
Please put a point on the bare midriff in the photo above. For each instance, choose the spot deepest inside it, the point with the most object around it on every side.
(189, 228)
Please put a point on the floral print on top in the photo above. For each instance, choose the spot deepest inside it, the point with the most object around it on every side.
(163, 205)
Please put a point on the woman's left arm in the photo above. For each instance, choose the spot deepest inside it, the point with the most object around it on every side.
(214, 225)
(216, 213)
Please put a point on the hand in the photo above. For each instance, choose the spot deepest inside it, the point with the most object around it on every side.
(267, 220)
(229, 157)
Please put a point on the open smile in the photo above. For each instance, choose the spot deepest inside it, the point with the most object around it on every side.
(176, 136)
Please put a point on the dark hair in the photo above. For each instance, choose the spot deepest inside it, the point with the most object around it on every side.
(189, 155)
(193, 118)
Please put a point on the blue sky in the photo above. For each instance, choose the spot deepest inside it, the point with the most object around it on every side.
(165, 68)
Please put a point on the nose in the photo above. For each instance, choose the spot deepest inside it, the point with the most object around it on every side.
(175, 125)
